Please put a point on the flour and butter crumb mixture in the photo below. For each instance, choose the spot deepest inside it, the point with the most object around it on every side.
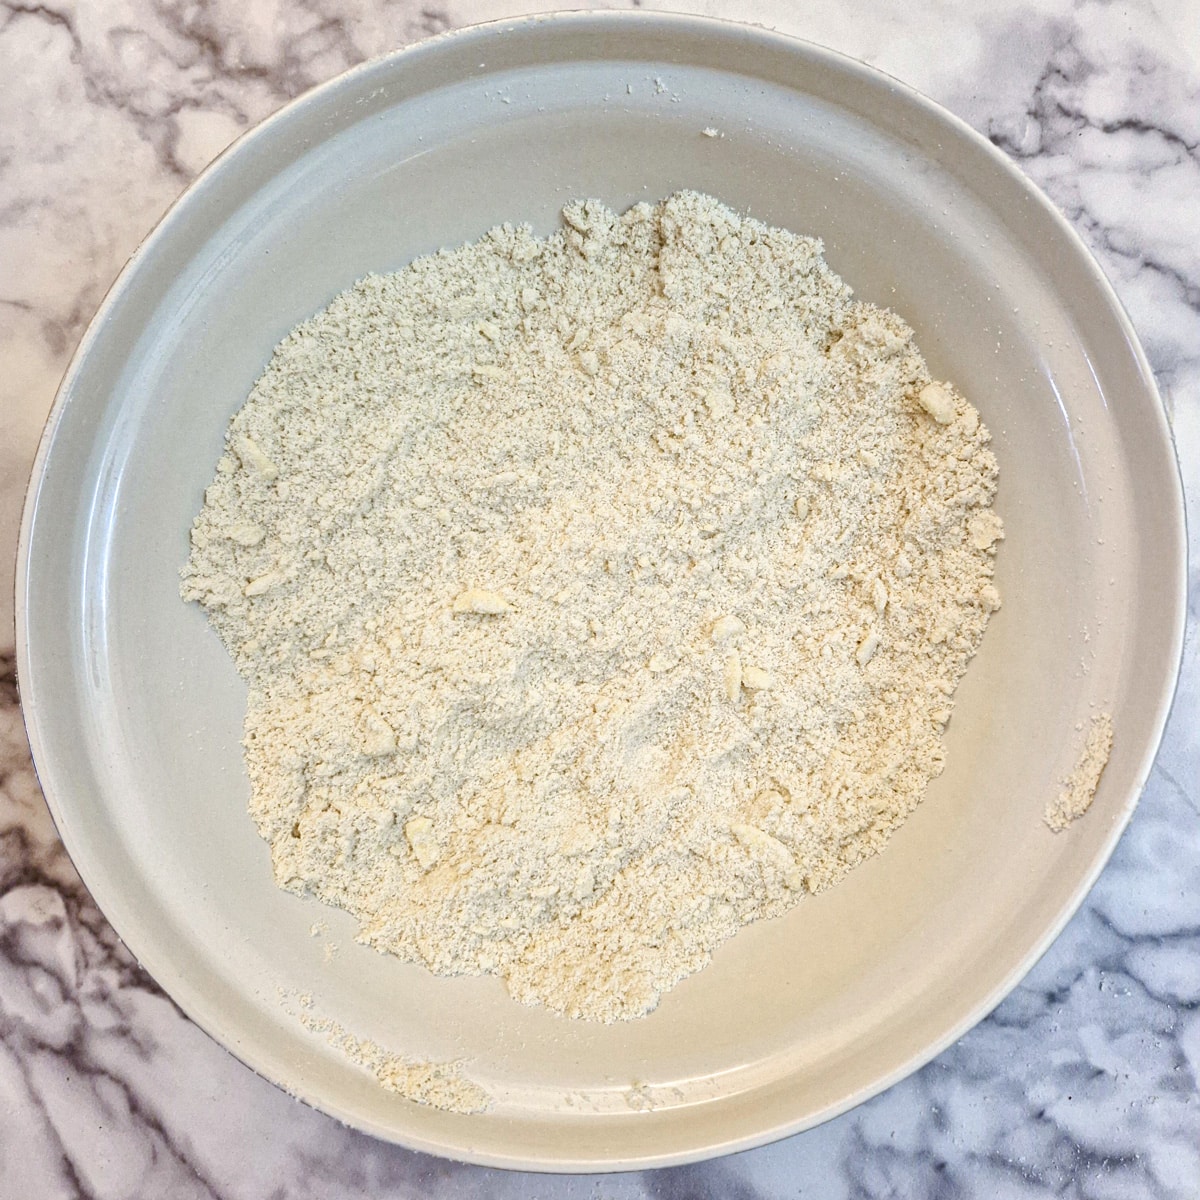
(597, 594)
(1079, 788)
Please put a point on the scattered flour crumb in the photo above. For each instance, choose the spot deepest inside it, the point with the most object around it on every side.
(437, 1084)
(710, 131)
(1079, 787)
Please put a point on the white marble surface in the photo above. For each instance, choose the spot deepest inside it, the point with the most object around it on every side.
(1084, 1083)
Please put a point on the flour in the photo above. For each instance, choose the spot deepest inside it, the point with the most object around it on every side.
(596, 595)
(1079, 788)
(436, 1084)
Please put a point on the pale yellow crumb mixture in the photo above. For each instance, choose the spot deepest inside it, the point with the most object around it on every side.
(597, 594)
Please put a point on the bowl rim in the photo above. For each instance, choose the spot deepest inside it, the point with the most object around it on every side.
(160, 966)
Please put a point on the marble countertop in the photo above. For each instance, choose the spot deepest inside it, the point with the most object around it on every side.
(1085, 1082)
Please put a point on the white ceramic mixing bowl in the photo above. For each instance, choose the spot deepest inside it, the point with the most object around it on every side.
(134, 709)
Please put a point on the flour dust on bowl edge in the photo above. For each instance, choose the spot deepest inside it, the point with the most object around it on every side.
(134, 710)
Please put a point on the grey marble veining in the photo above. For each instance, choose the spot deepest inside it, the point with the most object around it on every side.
(1084, 1083)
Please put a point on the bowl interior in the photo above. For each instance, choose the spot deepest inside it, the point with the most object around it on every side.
(135, 710)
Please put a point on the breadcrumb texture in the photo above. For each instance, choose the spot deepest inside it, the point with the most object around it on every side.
(596, 594)
(1079, 788)
(436, 1084)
